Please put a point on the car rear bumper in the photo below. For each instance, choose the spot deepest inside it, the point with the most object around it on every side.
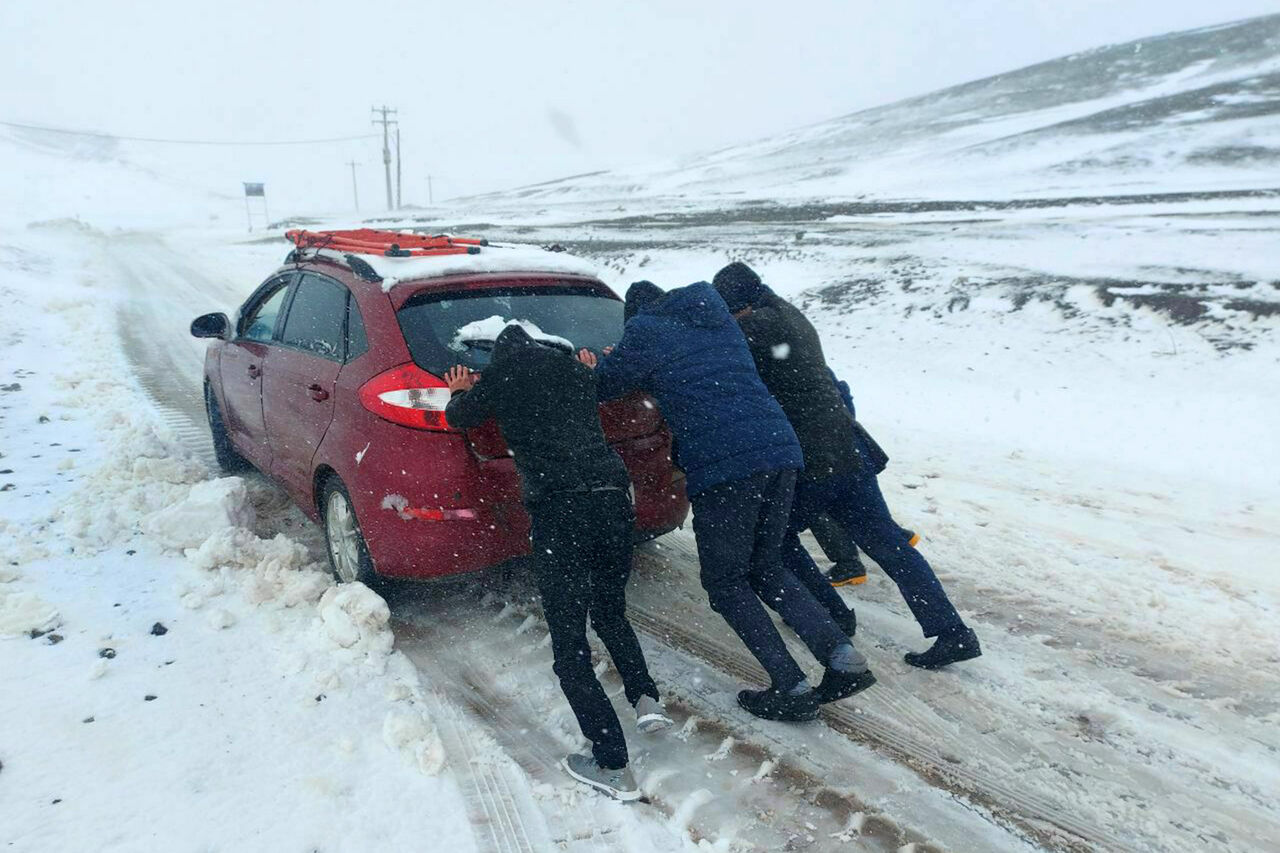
(410, 541)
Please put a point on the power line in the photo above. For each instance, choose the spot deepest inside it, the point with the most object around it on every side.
(98, 135)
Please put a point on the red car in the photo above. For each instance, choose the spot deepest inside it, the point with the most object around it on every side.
(328, 381)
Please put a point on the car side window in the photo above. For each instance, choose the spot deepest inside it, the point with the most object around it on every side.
(260, 323)
(357, 341)
(317, 317)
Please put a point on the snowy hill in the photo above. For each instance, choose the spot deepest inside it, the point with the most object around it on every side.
(104, 180)
(57, 175)
(1194, 110)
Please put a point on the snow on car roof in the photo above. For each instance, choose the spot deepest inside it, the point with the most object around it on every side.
(491, 259)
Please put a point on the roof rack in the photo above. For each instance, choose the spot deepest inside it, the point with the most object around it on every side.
(391, 244)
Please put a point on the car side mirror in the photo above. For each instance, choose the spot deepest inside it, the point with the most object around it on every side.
(215, 325)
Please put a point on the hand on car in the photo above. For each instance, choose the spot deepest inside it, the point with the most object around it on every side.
(588, 358)
(460, 378)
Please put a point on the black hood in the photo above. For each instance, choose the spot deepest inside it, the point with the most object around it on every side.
(739, 286)
(514, 341)
(640, 294)
(511, 342)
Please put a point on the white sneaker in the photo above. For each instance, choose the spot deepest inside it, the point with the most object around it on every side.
(651, 716)
(619, 784)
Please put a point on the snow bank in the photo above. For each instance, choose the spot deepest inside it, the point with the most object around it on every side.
(356, 618)
(96, 555)
(208, 506)
(21, 612)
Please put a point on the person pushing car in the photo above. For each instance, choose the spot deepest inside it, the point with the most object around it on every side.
(577, 492)
(841, 464)
(740, 458)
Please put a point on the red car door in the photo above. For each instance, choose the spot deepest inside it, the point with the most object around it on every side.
(298, 379)
(240, 368)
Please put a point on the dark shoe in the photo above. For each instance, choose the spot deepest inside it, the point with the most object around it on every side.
(837, 685)
(951, 647)
(773, 704)
(847, 573)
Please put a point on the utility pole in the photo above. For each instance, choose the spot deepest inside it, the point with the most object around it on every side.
(431, 198)
(355, 192)
(386, 144)
(399, 197)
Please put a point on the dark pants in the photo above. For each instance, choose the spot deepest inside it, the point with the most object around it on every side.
(834, 540)
(739, 528)
(582, 559)
(856, 504)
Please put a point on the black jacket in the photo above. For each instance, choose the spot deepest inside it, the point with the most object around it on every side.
(788, 356)
(545, 403)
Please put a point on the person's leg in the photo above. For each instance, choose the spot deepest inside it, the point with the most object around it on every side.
(813, 622)
(810, 500)
(725, 518)
(863, 512)
(834, 541)
(609, 573)
(564, 582)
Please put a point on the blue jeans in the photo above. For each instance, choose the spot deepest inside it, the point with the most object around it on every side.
(855, 502)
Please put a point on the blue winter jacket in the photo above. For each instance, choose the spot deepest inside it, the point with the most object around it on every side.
(686, 350)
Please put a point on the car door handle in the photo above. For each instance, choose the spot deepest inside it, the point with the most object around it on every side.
(254, 371)
(317, 393)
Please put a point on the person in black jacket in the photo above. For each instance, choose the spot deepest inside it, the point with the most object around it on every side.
(841, 464)
(740, 458)
(577, 493)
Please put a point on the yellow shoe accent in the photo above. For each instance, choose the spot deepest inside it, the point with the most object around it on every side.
(854, 581)
(914, 541)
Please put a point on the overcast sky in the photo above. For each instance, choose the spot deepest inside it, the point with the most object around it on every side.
(496, 94)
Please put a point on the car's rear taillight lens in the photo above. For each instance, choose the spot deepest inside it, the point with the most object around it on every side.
(409, 396)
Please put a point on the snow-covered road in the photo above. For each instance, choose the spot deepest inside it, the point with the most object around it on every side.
(1119, 728)
(1126, 698)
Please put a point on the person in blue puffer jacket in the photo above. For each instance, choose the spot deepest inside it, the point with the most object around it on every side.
(740, 456)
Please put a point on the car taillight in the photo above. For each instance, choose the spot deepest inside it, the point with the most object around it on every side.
(409, 396)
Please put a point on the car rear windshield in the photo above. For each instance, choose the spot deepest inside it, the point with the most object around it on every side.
(431, 322)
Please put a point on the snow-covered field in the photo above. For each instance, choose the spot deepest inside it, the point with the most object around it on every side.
(1095, 483)
(1080, 393)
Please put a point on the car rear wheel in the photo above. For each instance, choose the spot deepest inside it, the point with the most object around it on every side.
(348, 554)
(229, 459)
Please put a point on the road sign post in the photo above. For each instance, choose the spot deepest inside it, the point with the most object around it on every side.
(256, 191)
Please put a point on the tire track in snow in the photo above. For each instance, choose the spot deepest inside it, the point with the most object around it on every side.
(1051, 826)
(751, 779)
(504, 813)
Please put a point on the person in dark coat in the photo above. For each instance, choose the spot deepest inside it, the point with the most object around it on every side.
(740, 458)
(578, 495)
(841, 464)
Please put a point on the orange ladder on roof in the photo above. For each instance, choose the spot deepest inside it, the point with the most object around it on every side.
(391, 244)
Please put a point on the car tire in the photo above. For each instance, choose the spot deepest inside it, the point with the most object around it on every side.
(229, 459)
(344, 542)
